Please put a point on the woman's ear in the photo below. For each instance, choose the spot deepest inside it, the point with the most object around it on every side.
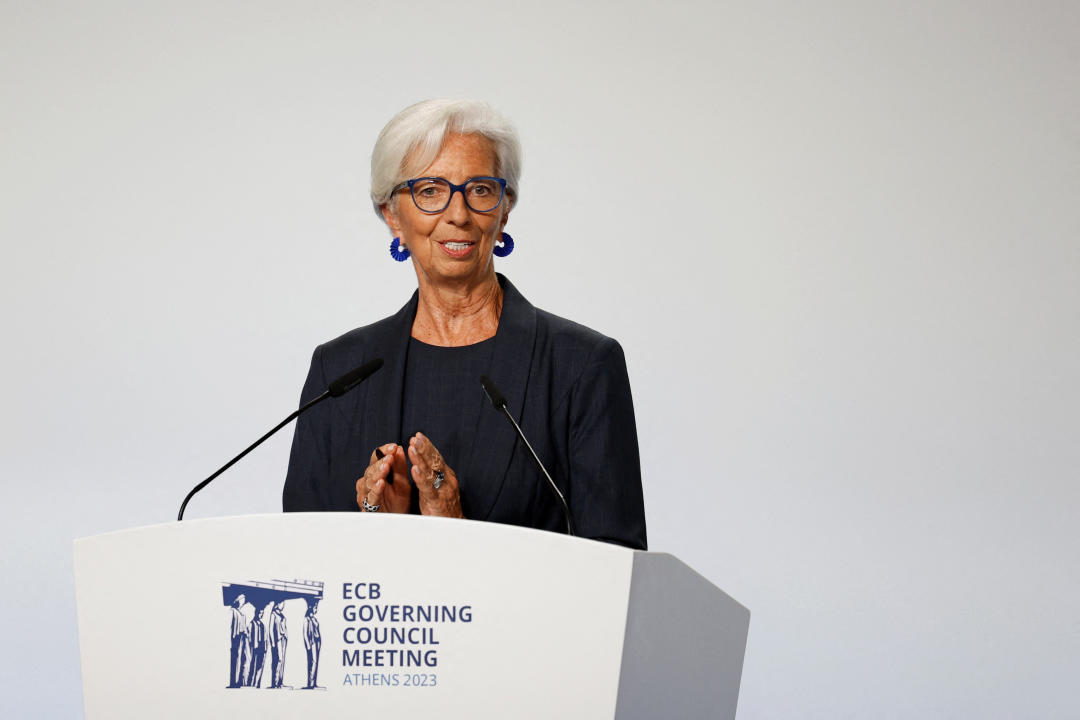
(391, 219)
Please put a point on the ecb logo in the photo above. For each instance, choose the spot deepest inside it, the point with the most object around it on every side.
(259, 633)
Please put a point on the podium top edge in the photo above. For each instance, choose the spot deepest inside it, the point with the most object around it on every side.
(326, 519)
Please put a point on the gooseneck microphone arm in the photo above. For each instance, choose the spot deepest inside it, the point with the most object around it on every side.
(338, 387)
(498, 401)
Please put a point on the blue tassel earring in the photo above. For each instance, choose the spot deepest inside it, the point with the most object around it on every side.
(506, 247)
(398, 251)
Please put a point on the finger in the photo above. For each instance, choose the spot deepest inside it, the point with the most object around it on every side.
(398, 464)
(428, 463)
(376, 494)
(420, 478)
(380, 451)
(375, 472)
(423, 474)
(366, 482)
(430, 453)
(386, 454)
(416, 446)
(396, 457)
(420, 466)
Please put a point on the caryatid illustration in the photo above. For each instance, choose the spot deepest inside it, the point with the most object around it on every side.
(313, 644)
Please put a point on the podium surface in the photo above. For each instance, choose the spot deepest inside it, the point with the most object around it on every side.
(343, 614)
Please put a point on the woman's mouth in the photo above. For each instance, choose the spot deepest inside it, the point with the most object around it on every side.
(457, 248)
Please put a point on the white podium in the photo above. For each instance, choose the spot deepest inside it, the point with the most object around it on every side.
(346, 615)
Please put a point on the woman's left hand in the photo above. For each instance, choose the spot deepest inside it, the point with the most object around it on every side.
(427, 463)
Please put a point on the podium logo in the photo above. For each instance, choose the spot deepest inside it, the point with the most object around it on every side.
(259, 633)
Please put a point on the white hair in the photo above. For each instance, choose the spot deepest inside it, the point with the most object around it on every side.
(413, 137)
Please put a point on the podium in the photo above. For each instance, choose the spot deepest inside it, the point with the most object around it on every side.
(346, 615)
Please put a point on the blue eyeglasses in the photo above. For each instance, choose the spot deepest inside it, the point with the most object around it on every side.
(433, 194)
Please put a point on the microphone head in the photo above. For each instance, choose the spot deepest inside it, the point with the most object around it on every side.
(497, 400)
(351, 379)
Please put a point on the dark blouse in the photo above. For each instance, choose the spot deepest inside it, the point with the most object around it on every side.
(443, 399)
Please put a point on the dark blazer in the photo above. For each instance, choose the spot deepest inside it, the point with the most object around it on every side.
(565, 384)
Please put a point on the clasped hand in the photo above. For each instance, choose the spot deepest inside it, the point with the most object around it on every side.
(427, 462)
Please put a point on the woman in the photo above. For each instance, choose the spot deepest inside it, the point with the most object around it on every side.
(418, 435)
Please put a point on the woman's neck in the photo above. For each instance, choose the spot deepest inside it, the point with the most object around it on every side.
(456, 316)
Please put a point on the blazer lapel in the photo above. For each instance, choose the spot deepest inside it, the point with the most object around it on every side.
(494, 439)
(375, 407)
(384, 406)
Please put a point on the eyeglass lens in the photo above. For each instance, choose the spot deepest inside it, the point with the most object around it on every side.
(433, 194)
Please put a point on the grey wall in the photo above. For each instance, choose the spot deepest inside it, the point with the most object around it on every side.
(838, 241)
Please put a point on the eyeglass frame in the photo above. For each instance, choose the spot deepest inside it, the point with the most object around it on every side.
(453, 189)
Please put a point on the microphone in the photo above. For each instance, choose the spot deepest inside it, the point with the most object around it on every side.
(498, 401)
(337, 388)
(351, 379)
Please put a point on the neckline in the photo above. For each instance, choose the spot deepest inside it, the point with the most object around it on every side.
(439, 348)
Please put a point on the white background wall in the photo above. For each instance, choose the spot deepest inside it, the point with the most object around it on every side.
(840, 243)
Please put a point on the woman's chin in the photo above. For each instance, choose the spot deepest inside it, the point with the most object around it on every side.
(469, 269)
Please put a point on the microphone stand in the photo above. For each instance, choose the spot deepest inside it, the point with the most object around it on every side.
(251, 447)
(498, 401)
(337, 388)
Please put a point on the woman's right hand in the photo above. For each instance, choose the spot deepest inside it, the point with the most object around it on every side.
(373, 488)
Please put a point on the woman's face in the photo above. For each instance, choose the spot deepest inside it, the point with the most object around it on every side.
(452, 247)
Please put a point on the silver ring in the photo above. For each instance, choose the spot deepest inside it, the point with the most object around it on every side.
(439, 477)
(368, 507)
